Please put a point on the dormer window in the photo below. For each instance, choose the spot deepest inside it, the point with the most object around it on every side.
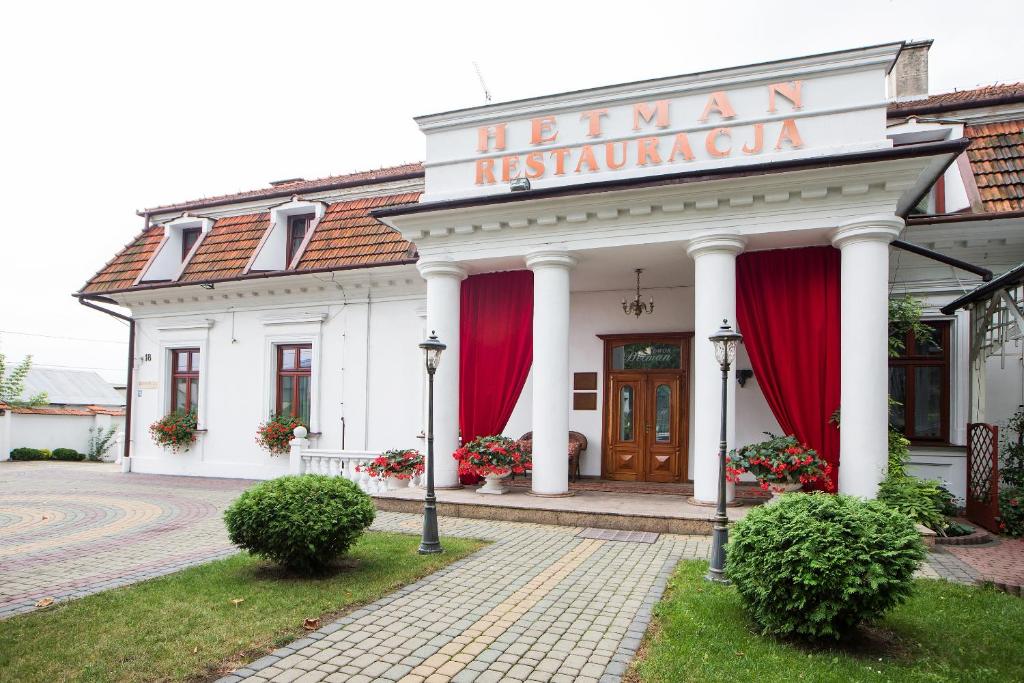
(189, 237)
(297, 228)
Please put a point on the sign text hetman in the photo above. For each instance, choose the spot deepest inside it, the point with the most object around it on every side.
(645, 147)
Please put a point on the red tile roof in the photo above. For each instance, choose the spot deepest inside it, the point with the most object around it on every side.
(997, 160)
(227, 248)
(960, 99)
(300, 186)
(347, 235)
(121, 271)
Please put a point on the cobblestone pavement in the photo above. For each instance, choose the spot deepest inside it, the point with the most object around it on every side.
(1001, 562)
(540, 604)
(71, 529)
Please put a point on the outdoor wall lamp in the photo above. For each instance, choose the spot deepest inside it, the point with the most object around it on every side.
(743, 375)
(430, 542)
(725, 341)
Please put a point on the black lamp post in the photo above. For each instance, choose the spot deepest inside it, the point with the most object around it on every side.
(430, 543)
(725, 341)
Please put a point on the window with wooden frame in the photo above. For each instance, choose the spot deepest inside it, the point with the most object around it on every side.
(297, 227)
(919, 381)
(184, 380)
(294, 380)
(189, 237)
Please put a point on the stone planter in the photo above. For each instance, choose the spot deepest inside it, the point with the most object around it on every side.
(778, 490)
(394, 483)
(495, 484)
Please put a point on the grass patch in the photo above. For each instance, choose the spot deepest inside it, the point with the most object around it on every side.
(184, 626)
(944, 632)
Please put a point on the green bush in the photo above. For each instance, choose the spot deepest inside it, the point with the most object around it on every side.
(924, 501)
(302, 522)
(1011, 511)
(30, 454)
(67, 454)
(816, 565)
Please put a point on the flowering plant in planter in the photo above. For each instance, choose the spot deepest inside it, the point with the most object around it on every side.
(176, 431)
(498, 455)
(779, 461)
(400, 463)
(275, 435)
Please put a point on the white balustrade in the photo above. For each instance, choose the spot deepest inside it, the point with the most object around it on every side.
(335, 463)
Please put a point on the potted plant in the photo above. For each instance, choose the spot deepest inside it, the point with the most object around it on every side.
(397, 467)
(176, 431)
(780, 464)
(275, 435)
(494, 458)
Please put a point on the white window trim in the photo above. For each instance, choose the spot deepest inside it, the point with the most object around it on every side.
(302, 335)
(277, 233)
(166, 349)
(166, 257)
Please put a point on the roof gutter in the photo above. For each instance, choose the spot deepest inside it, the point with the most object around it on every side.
(984, 273)
(87, 301)
(932, 219)
(956, 106)
(1008, 278)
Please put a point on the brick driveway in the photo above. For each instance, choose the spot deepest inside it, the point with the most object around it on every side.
(70, 529)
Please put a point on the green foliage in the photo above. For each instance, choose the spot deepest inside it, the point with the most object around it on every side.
(1011, 511)
(816, 565)
(12, 385)
(899, 453)
(921, 500)
(69, 454)
(1011, 451)
(30, 454)
(176, 431)
(100, 441)
(302, 522)
(905, 316)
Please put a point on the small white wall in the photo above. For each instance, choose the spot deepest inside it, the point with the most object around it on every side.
(51, 431)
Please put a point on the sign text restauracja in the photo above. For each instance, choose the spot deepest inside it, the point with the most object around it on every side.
(639, 149)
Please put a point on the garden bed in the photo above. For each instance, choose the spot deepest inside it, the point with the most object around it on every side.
(945, 632)
(187, 626)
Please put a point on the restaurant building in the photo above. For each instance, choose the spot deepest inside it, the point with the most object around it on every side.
(768, 196)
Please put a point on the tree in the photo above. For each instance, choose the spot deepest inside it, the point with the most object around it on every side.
(12, 385)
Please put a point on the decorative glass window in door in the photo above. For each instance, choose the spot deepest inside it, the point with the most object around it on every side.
(626, 413)
(647, 356)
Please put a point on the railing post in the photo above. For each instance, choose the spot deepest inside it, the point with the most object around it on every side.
(298, 444)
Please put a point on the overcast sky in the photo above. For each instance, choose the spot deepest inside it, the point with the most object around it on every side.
(109, 108)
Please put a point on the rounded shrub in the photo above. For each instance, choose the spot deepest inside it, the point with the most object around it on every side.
(30, 454)
(302, 522)
(816, 565)
(67, 454)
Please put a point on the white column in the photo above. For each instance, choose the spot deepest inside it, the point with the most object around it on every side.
(864, 317)
(551, 389)
(444, 284)
(714, 259)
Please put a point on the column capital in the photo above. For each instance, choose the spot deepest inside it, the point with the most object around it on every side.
(440, 268)
(715, 241)
(547, 258)
(878, 228)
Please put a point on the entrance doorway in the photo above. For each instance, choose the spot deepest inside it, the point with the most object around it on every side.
(646, 407)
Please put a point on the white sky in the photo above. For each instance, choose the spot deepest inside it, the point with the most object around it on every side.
(112, 107)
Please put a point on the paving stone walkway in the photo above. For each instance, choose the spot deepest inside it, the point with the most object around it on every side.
(71, 529)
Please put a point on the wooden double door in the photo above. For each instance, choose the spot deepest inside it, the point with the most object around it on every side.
(646, 407)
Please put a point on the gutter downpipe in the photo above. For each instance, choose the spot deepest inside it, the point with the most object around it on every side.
(984, 273)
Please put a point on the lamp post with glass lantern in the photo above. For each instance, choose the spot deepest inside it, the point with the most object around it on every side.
(430, 543)
(725, 341)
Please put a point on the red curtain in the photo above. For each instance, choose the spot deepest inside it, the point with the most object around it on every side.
(496, 339)
(787, 306)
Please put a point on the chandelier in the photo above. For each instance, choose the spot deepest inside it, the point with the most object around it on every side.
(636, 307)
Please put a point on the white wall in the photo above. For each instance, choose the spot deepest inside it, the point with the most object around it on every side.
(56, 431)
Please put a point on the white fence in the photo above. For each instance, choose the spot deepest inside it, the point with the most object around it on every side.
(348, 464)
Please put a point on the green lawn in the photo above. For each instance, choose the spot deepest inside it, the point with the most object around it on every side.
(945, 632)
(184, 626)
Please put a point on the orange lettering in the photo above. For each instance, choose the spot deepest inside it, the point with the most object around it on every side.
(559, 155)
(609, 156)
(485, 172)
(758, 140)
(484, 135)
(534, 165)
(593, 118)
(642, 110)
(541, 129)
(791, 91)
(789, 133)
(718, 102)
(681, 146)
(509, 167)
(587, 157)
(711, 143)
(647, 148)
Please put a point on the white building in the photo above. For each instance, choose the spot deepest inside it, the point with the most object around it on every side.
(766, 195)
